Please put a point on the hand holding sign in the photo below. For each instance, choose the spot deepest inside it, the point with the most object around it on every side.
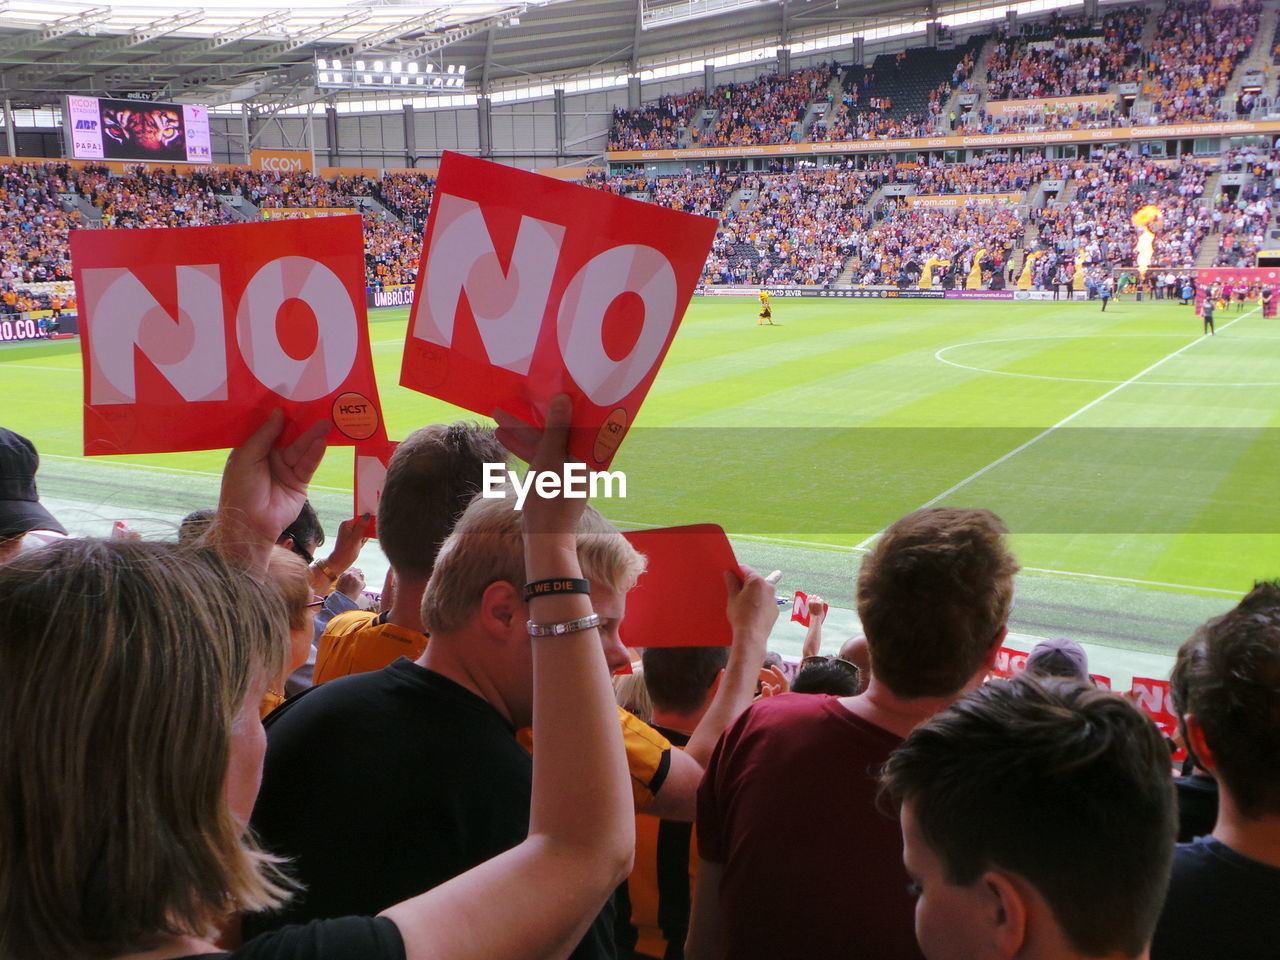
(263, 489)
(531, 287)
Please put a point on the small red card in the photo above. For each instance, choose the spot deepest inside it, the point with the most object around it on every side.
(531, 286)
(192, 336)
(681, 597)
(370, 475)
(800, 609)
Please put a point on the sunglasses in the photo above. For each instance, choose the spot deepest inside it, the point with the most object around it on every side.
(316, 602)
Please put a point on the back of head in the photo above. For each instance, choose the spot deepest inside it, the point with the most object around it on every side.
(123, 665)
(679, 678)
(830, 675)
(195, 525)
(1060, 657)
(306, 532)
(1065, 785)
(487, 546)
(932, 594)
(431, 478)
(1228, 676)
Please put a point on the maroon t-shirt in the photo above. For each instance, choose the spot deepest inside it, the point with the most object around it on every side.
(811, 867)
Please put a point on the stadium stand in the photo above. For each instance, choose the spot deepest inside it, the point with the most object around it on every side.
(1067, 56)
(1193, 56)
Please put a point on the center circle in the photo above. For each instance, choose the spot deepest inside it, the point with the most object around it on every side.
(939, 355)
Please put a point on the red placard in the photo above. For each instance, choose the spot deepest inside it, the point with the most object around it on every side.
(530, 286)
(191, 336)
(1009, 663)
(370, 474)
(680, 599)
(1152, 697)
(800, 609)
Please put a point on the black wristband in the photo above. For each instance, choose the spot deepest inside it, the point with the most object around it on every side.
(547, 588)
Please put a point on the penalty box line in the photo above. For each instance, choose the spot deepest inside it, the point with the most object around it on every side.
(1061, 423)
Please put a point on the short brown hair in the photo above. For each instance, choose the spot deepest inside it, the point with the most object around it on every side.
(123, 666)
(431, 478)
(1228, 676)
(1065, 785)
(932, 593)
(487, 546)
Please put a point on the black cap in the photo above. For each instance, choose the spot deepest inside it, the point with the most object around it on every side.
(20, 509)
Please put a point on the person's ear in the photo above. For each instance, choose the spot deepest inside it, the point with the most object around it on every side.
(1008, 911)
(715, 685)
(997, 642)
(1197, 743)
(502, 609)
(286, 542)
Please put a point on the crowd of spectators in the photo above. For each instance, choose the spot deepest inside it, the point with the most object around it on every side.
(542, 794)
(665, 125)
(993, 174)
(1040, 115)
(34, 222)
(158, 198)
(799, 228)
(391, 251)
(1067, 56)
(899, 246)
(1244, 215)
(768, 109)
(1193, 56)
(1094, 221)
(408, 195)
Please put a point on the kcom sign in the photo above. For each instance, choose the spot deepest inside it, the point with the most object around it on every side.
(282, 161)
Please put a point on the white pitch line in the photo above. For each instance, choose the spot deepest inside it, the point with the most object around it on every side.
(758, 538)
(19, 365)
(1061, 423)
(1149, 583)
(938, 355)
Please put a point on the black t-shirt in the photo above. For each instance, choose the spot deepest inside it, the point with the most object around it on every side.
(380, 786)
(1197, 805)
(1220, 904)
(351, 938)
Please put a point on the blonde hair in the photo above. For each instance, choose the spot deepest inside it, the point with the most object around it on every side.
(291, 577)
(486, 547)
(123, 665)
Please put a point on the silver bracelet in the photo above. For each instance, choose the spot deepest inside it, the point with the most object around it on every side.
(559, 629)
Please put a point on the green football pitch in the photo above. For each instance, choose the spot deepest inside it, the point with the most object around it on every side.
(1132, 458)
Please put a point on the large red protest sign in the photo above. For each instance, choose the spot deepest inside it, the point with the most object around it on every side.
(680, 598)
(191, 336)
(372, 460)
(530, 287)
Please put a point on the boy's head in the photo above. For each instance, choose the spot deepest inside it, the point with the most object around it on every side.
(1226, 688)
(1038, 819)
(934, 595)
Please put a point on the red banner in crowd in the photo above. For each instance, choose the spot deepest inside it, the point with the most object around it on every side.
(191, 336)
(681, 597)
(800, 609)
(1152, 698)
(530, 287)
(1009, 663)
(1244, 279)
(370, 475)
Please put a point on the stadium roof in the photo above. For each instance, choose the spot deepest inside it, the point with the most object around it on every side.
(231, 51)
